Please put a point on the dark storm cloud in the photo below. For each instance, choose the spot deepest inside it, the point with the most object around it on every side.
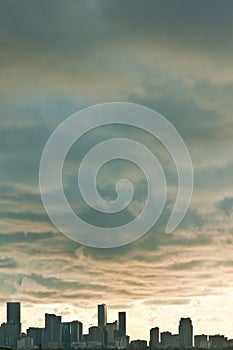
(167, 302)
(41, 245)
(24, 216)
(185, 266)
(21, 148)
(225, 205)
(41, 295)
(13, 193)
(168, 20)
(218, 178)
(120, 306)
(23, 139)
(7, 263)
(18, 237)
(191, 110)
(47, 25)
(56, 25)
(57, 283)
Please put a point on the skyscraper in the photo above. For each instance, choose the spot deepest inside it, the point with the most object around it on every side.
(122, 323)
(13, 326)
(66, 332)
(53, 331)
(154, 337)
(102, 315)
(13, 313)
(76, 329)
(185, 333)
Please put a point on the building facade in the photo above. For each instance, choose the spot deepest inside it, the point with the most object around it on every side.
(185, 333)
(102, 315)
(76, 331)
(53, 331)
(122, 323)
(154, 338)
(201, 341)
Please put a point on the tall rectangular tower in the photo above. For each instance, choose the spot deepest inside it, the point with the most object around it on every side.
(13, 319)
(13, 312)
(76, 329)
(53, 331)
(66, 335)
(122, 323)
(102, 315)
(154, 337)
(185, 333)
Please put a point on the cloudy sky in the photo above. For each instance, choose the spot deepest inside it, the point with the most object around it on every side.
(176, 57)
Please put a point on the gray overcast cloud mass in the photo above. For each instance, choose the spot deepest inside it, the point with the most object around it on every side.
(176, 57)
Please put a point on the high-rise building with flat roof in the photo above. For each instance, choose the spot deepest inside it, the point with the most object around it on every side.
(102, 315)
(13, 312)
(122, 323)
(13, 326)
(76, 330)
(65, 326)
(53, 331)
(185, 333)
(154, 337)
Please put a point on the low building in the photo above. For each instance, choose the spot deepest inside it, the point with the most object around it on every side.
(25, 343)
(37, 334)
(166, 339)
(86, 345)
(201, 341)
(218, 341)
(138, 344)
